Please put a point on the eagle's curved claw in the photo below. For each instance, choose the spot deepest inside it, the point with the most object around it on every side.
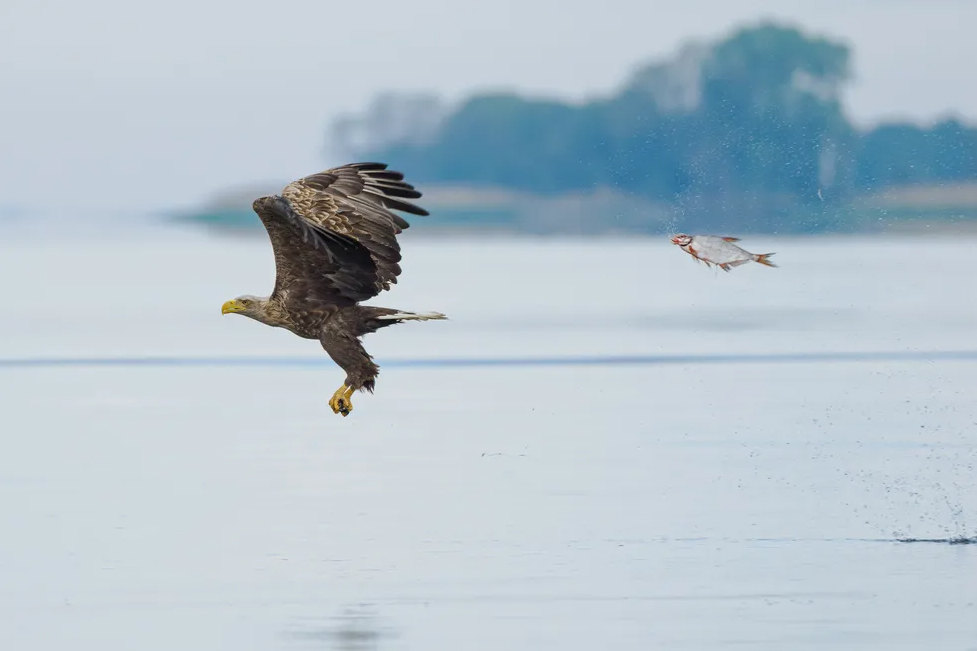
(340, 401)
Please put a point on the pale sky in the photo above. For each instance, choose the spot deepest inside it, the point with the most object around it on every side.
(116, 106)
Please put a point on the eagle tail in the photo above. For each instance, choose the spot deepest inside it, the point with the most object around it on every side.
(370, 319)
(412, 316)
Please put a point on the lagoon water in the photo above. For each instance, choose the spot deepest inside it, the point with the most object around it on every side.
(742, 480)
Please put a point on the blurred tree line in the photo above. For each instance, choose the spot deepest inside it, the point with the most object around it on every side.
(755, 120)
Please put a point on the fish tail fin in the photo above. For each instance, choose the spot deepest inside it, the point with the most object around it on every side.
(764, 258)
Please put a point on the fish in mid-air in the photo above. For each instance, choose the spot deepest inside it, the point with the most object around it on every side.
(719, 251)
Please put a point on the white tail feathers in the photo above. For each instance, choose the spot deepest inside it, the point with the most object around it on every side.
(410, 316)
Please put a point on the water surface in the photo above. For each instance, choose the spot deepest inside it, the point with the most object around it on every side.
(740, 484)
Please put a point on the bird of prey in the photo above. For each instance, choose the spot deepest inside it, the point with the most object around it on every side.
(334, 237)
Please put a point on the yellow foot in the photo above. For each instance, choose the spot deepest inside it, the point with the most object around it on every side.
(340, 401)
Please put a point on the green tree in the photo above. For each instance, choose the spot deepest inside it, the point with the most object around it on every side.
(900, 154)
(753, 122)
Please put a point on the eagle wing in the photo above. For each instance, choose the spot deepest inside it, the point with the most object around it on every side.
(334, 234)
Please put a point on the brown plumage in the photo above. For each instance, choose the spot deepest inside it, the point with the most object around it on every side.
(334, 237)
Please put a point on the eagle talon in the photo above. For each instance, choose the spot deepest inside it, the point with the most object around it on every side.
(340, 401)
(336, 402)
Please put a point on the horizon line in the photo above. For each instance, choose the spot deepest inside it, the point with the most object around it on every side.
(151, 361)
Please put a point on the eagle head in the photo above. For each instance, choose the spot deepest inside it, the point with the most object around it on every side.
(251, 306)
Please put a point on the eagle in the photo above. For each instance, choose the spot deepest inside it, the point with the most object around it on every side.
(334, 238)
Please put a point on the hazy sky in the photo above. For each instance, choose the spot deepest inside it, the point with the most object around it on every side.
(120, 105)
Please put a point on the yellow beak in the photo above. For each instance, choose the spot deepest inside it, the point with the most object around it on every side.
(230, 306)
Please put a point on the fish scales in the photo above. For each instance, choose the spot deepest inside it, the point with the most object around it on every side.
(720, 251)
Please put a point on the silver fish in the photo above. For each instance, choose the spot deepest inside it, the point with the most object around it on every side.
(719, 251)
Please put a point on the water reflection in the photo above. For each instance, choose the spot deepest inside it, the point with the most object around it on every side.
(358, 628)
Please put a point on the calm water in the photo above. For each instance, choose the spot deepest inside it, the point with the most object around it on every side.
(728, 501)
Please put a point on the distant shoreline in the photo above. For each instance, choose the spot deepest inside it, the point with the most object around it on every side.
(466, 210)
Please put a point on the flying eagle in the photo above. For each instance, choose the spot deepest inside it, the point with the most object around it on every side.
(335, 243)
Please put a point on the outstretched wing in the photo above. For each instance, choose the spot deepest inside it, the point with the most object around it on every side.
(334, 233)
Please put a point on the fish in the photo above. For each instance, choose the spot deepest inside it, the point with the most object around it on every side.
(719, 251)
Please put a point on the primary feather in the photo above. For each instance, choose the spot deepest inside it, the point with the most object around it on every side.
(334, 235)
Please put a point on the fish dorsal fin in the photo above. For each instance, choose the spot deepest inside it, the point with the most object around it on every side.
(731, 239)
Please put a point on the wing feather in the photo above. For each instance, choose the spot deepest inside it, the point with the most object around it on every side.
(334, 234)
